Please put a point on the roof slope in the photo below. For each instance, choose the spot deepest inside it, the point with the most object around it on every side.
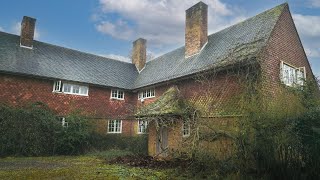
(168, 103)
(55, 62)
(238, 42)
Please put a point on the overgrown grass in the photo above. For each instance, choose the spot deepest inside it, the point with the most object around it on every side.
(111, 154)
(76, 167)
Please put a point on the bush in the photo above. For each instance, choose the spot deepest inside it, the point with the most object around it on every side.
(308, 128)
(35, 130)
(73, 139)
(27, 131)
(136, 144)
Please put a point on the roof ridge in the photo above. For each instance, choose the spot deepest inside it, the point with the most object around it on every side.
(69, 49)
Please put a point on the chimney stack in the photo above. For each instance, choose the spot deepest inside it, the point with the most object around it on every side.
(196, 32)
(27, 31)
(139, 54)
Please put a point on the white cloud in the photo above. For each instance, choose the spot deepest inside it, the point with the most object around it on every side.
(161, 22)
(309, 31)
(1, 28)
(117, 57)
(118, 30)
(16, 29)
(315, 3)
(308, 25)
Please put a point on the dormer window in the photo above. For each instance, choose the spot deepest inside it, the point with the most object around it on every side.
(292, 76)
(70, 88)
(117, 94)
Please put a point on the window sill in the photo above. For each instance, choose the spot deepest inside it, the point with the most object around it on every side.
(146, 98)
(70, 93)
(117, 99)
(114, 132)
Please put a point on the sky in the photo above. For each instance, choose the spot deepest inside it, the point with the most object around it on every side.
(108, 27)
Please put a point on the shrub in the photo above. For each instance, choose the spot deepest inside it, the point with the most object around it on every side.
(73, 139)
(136, 144)
(27, 131)
(35, 130)
(308, 128)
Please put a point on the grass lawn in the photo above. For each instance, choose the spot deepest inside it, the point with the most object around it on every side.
(91, 166)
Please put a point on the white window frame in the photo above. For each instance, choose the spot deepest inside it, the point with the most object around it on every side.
(142, 127)
(58, 87)
(289, 75)
(114, 122)
(117, 92)
(147, 93)
(186, 128)
(64, 123)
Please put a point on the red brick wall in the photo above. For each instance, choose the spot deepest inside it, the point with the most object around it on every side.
(222, 87)
(284, 45)
(128, 127)
(19, 90)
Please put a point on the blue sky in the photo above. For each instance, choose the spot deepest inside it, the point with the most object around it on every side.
(108, 27)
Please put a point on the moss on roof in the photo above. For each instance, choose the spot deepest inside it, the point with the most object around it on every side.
(170, 103)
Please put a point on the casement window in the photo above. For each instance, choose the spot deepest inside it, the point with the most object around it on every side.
(292, 76)
(117, 94)
(185, 128)
(64, 123)
(70, 88)
(142, 126)
(114, 126)
(148, 93)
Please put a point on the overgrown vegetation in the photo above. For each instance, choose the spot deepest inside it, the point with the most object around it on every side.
(34, 130)
(240, 128)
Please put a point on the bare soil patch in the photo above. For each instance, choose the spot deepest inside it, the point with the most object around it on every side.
(150, 162)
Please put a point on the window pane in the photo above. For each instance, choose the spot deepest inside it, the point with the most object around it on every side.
(75, 89)
(142, 126)
(300, 77)
(111, 126)
(114, 93)
(117, 125)
(186, 128)
(148, 93)
(83, 90)
(57, 86)
(120, 94)
(67, 88)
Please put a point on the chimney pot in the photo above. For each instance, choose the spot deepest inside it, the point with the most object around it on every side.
(139, 53)
(196, 35)
(27, 31)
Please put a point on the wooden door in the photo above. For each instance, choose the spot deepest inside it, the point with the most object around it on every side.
(162, 142)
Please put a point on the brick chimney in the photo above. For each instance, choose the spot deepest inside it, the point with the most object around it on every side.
(196, 35)
(139, 54)
(27, 31)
